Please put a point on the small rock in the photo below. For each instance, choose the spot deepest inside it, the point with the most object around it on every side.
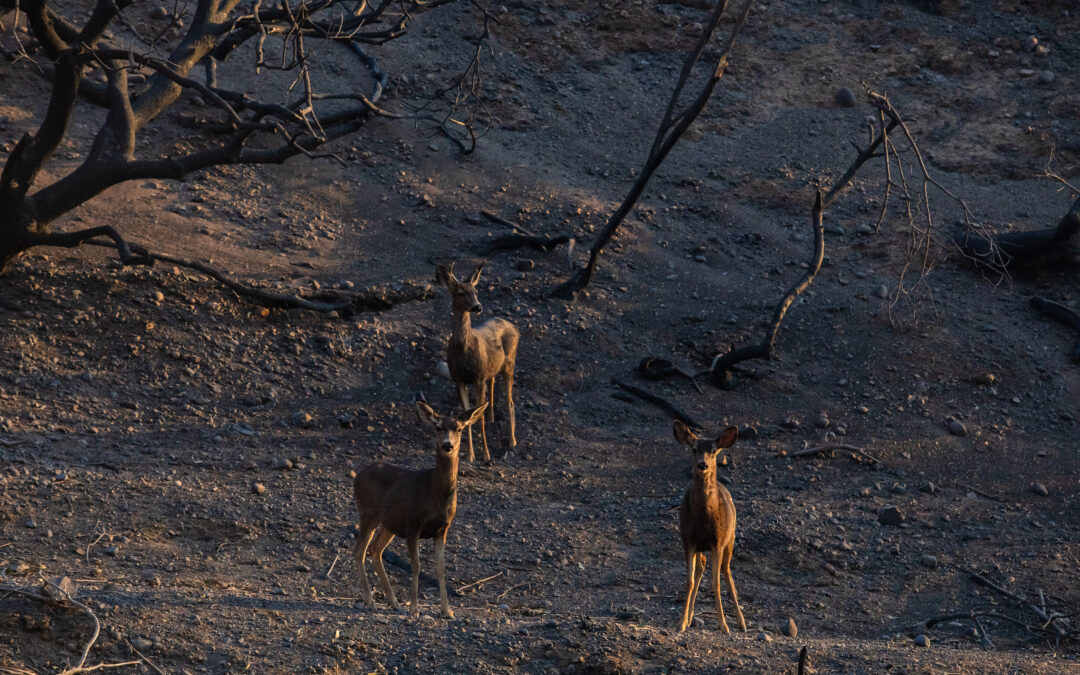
(890, 515)
(882, 291)
(1039, 489)
(989, 378)
(29, 522)
(442, 370)
(845, 98)
(791, 423)
(1046, 77)
(864, 228)
(1042, 51)
(347, 420)
(929, 561)
(764, 637)
(258, 488)
(822, 422)
(524, 265)
(1026, 72)
(957, 428)
(922, 641)
(283, 464)
(301, 419)
(1031, 43)
(791, 630)
(159, 13)
(142, 644)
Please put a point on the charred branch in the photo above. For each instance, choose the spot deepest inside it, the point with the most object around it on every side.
(1022, 249)
(672, 127)
(1062, 315)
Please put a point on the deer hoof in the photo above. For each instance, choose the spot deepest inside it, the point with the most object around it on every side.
(447, 613)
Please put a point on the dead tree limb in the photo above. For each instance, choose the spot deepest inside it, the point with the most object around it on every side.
(830, 448)
(720, 374)
(1023, 249)
(1063, 315)
(672, 127)
(660, 402)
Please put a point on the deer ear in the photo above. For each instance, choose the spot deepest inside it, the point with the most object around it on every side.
(683, 434)
(443, 275)
(470, 416)
(476, 275)
(727, 439)
(425, 413)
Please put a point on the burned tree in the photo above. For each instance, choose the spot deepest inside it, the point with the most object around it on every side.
(114, 60)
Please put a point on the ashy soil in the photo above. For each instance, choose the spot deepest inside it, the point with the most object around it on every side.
(139, 408)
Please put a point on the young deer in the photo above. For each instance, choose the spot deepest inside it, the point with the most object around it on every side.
(475, 357)
(707, 523)
(411, 504)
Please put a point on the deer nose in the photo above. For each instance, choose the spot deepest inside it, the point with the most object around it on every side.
(702, 466)
(447, 446)
(476, 309)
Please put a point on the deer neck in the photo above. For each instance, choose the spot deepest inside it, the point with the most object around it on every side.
(461, 330)
(703, 494)
(446, 470)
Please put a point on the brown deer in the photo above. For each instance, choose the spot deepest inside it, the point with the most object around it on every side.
(411, 504)
(476, 357)
(707, 523)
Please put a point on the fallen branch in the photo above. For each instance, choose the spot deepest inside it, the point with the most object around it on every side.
(1063, 315)
(519, 238)
(972, 615)
(142, 656)
(839, 446)
(1022, 249)
(462, 589)
(652, 368)
(659, 402)
(1062, 627)
(803, 658)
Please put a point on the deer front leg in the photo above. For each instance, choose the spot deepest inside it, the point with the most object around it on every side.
(463, 394)
(731, 586)
(482, 389)
(414, 559)
(382, 540)
(491, 399)
(440, 571)
(717, 557)
(367, 531)
(688, 605)
(698, 574)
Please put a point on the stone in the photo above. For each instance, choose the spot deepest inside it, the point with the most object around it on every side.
(881, 290)
(822, 422)
(258, 488)
(922, 641)
(347, 420)
(1039, 489)
(791, 630)
(1046, 77)
(890, 515)
(845, 98)
(142, 644)
(764, 637)
(1031, 43)
(957, 428)
(928, 561)
(442, 370)
(301, 419)
(283, 464)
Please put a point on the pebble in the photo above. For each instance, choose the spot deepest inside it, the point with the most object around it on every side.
(347, 420)
(1026, 72)
(764, 637)
(282, 463)
(142, 644)
(258, 488)
(442, 370)
(1031, 43)
(864, 228)
(845, 98)
(922, 641)
(957, 428)
(160, 13)
(301, 419)
(890, 515)
(882, 291)
(791, 630)
(822, 422)
(1046, 77)
(1042, 51)
(1039, 489)
(929, 561)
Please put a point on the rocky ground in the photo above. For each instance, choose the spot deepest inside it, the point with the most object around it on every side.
(185, 459)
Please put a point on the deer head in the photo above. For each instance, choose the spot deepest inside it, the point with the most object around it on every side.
(703, 450)
(462, 293)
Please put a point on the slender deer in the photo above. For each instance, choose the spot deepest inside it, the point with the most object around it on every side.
(707, 523)
(411, 504)
(476, 357)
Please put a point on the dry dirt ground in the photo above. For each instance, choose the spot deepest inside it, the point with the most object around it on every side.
(138, 407)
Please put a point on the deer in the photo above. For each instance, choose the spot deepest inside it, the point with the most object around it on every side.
(414, 505)
(476, 356)
(707, 523)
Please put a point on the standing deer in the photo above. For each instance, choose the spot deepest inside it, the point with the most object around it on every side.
(476, 357)
(411, 504)
(707, 523)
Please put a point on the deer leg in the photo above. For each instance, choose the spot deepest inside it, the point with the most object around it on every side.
(463, 394)
(699, 572)
(509, 377)
(414, 560)
(382, 540)
(440, 571)
(491, 399)
(717, 557)
(367, 531)
(482, 388)
(691, 568)
(731, 585)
